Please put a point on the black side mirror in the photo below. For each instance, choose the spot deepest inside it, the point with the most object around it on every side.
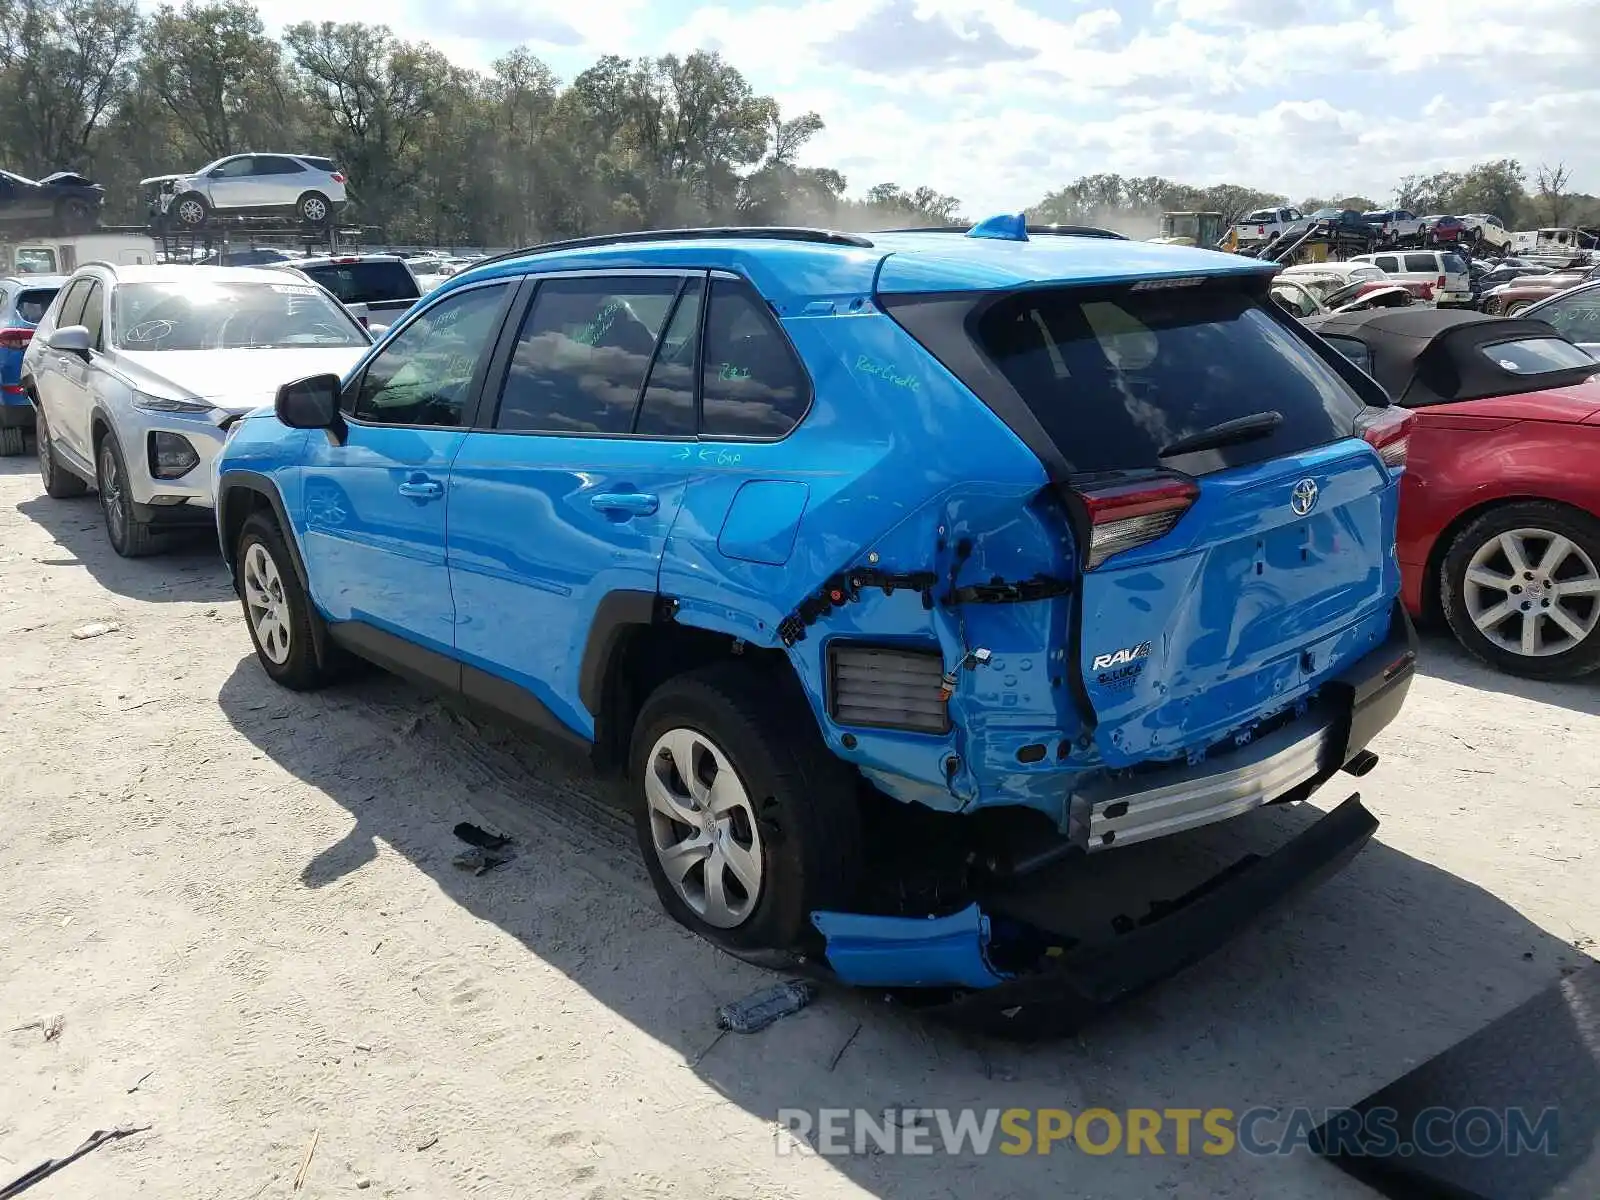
(310, 403)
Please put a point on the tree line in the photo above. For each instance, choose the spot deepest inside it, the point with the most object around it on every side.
(514, 155)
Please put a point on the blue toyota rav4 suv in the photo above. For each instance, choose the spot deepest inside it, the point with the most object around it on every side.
(1081, 535)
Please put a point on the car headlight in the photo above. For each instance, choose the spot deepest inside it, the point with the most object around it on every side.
(145, 402)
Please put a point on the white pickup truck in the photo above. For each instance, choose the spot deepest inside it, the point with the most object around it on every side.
(1488, 230)
(1265, 224)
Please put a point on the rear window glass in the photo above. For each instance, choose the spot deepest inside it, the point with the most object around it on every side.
(1454, 263)
(1116, 376)
(1422, 262)
(1537, 356)
(31, 304)
(1264, 214)
(322, 164)
(366, 282)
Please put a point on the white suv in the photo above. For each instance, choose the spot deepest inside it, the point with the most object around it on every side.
(308, 187)
(1444, 271)
(137, 373)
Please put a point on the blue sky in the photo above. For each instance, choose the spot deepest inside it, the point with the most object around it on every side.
(1001, 101)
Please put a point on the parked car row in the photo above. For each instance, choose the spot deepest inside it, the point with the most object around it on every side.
(1384, 228)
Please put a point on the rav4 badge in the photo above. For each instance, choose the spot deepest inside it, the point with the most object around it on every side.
(1117, 658)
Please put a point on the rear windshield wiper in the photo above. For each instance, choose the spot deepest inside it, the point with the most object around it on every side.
(1225, 433)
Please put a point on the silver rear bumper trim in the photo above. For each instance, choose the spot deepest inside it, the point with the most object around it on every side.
(1188, 797)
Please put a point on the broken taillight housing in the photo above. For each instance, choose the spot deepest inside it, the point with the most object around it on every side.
(1388, 431)
(1132, 513)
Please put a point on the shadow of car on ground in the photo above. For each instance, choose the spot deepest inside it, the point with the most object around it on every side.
(1385, 965)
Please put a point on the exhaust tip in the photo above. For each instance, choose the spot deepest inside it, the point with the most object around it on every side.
(1361, 763)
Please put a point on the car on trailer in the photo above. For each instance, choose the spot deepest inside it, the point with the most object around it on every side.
(1066, 543)
(307, 187)
(1500, 506)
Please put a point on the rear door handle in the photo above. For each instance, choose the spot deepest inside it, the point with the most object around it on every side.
(636, 504)
(422, 489)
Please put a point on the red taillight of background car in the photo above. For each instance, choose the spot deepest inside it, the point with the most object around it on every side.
(1442, 284)
(1388, 431)
(337, 177)
(15, 339)
(1125, 515)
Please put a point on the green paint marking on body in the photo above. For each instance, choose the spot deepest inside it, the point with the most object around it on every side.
(887, 372)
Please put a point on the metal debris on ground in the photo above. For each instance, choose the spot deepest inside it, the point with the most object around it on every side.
(755, 1013)
(94, 629)
(50, 1166)
(489, 850)
(139, 1081)
(53, 1027)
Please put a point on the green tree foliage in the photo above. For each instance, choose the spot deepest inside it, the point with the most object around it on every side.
(434, 152)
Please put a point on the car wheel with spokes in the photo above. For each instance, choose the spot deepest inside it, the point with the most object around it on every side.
(276, 607)
(1521, 590)
(191, 210)
(314, 208)
(59, 483)
(129, 536)
(746, 822)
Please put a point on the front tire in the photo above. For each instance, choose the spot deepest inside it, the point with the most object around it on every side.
(276, 608)
(129, 536)
(191, 210)
(59, 483)
(746, 822)
(1521, 590)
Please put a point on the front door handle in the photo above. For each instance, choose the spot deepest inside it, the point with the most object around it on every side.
(635, 504)
(422, 489)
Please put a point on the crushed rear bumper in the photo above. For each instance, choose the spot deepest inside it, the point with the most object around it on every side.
(949, 966)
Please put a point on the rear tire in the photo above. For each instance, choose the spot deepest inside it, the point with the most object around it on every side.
(12, 443)
(1512, 545)
(761, 807)
(277, 610)
(59, 483)
(314, 209)
(129, 536)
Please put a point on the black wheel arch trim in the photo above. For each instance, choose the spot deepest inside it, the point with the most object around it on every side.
(229, 486)
(617, 612)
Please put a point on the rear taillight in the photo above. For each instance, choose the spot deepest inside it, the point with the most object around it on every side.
(1442, 284)
(15, 339)
(1125, 515)
(1388, 431)
(337, 177)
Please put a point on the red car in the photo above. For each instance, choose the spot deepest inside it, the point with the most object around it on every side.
(1500, 504)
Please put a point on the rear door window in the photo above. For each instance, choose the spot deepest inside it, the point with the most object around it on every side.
(32, 303)
(1426, 264)
(1387, 263)
(1116, 376)
(583, 352)
(373, 282)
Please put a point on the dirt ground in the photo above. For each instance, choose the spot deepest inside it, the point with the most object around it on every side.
(240, 904)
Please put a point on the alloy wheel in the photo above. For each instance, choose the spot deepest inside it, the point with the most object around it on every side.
(267, 604)
(314, 210)
(191, 212)
(703, 827)
(1533, 592)
(112, 499)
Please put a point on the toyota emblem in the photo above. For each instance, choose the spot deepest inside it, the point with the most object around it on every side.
(1303, 497)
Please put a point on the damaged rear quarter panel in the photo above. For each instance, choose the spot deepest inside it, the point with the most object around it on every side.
(901, 461)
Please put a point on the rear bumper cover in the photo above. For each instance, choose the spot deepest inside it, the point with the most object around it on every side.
(1065, 987)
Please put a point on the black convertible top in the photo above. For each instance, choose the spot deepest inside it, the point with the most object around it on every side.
(1426, 356)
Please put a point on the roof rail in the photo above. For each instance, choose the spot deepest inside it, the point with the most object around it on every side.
(1058, 230)
(773, 233)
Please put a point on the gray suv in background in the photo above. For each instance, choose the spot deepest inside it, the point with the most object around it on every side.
(305, 186)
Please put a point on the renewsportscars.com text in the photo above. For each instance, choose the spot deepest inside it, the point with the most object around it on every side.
(1433, 1132)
